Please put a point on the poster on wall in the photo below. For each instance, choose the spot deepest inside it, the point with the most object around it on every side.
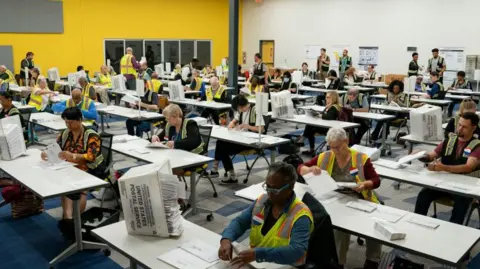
(368, 55)
(335, 53)
(455, 58)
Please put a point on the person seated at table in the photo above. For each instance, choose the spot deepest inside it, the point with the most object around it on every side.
(214, 93)
(255, 86)
(87, 89)
(40, 96)
(371, 75)
(358, 103)
(81, 146)
(457, 154)
(350, 77)
(436, 87)
(144, 70)
(105, 80)
(6, 76)
(85, 104)
(331, 112)
(466, 106)
(332, 83)
(287, 83)
(156, 84)
(419, 85)
(395, 96)
(280, 224)
(242, 74)
(207, 71)
(111, 71)
(343, 165)
(81, 68)
(197, 83)
(150, 102)
(245, 119)
(459, 83)
(277, 75)
(34, 77)
(307, 75)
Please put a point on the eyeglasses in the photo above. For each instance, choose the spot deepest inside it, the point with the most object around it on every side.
(274, 191)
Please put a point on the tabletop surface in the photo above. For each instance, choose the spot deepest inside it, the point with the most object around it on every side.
(409, 138)
(310, 89)
(178, 158)
(432, 101)
(51, 121)
(391, 108)
(47, 182)
(129, 112)
(360, 88)
(419, 239)
(193, 102)
(246, 138)
(314, 121)
(361, 115)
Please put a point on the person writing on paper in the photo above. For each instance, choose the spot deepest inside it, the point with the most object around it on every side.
(270, 239)
(466, 106)
(395, 97)
(371, 75)
(128, 68)
(331, 112)
(419, 86)
(85, 104)
(413, 67)
(437, 64)
(260, 69)
(435, 88)
(87, 89)
(287, 83)
(149, 101)
(323, 64)
(180, 133)
(358, 103)
(347, 165)
(214, 93)
(245, 119)
(40, 96)
(349, 78)
(81, 146)
(458, 154)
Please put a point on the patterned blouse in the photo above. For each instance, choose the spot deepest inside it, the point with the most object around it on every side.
(93, 148)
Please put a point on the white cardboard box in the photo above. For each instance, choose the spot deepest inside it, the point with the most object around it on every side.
(388, 231)
(142, 202)
(426, 123)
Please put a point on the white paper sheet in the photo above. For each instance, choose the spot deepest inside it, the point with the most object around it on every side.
(140, 150)
(320, 184)
(128, 98)
(388, 213)
(350, 185)
(362, 206)
(52, 152)
(181, 259)
(387, 163)
(423, 222)
(202, 250)
(159, 145)
(412, 157)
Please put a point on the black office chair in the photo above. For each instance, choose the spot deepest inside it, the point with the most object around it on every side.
(106, 148)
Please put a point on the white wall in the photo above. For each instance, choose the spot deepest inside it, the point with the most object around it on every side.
(392, 25)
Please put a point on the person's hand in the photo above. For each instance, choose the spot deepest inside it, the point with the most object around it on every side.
(366, 185)
(244, 126)
(431, 166)
(43, 155)
(315, 170)
(225, 250)
(155, 139)
(65, 155)
(243, 258)
(199, 99)
(170, 144)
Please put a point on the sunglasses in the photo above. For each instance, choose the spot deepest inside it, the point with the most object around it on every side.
(274, 191)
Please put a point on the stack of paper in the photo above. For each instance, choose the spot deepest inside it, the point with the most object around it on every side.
(401, 161)
(362, 205)
(320, 184)
(388, 231)
(129, 98)
(12, 144)
(173, 215)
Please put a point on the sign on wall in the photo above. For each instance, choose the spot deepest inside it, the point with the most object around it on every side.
(455, 58)
(368, 55)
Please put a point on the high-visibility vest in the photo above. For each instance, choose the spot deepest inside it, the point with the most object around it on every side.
(198, 84)
(359, 100)
(84, 105)
(98, 160)
(258, 88)
(183, 135)
(105, 80)
(126, 66)
(464, 85)
(372, 76)
(86, 90)
(413, 72)
(11, 77)
(449, 152)
(279, 234)
(218, 94)
(36, 100)
(441, 60)
(327, 159)
(349, 63)
(156, 85)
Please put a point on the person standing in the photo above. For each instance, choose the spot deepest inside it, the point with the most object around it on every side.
(345, 62)
(323, 64)
(413, 67)
(27, 62)
(260, 69)
(437, 64)
(128, 68)
(150, 55)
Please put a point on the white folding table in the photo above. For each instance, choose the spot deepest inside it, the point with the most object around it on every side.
(129, 113)
(204, 104)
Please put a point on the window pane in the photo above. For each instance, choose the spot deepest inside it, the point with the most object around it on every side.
(204, 53)
(114, 51)
(137, 46)
(171, 52)
(187, 51)
(153, 53)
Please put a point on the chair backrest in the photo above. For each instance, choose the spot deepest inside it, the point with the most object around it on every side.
(106, 147)
(205, 133)
(266, 119)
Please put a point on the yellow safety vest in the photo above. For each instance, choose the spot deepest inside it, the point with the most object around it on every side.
(183, 134)
(218, 94)
(105, 80)
(326, 161)
(84, 105)
(279, 234)
(86, 134)
(259, 88)
(11, 77)
(86, 90)
(36, 100)
(156, 85)
(198, 84)
(126, 66)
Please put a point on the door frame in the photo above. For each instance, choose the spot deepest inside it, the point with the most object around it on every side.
(260, 49)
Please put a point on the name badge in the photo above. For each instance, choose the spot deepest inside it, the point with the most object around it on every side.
(258, 219)
(354, 172)
(165, 138)
(466, 152)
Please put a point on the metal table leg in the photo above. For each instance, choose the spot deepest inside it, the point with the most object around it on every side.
(273, 155)
(102, 121)
(133, 264)
(193, 210)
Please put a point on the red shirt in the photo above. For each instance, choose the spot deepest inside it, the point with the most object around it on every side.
(368, 170)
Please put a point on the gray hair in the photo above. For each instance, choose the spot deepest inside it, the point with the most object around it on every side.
(129, 49)
(172, 110)
(287, 171)
(353, 90)
(336, 134)
(42, 79)
(82, 79)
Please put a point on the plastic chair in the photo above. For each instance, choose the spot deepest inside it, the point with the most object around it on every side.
(106, 148)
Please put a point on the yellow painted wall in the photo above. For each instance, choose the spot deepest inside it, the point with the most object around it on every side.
(88, 22)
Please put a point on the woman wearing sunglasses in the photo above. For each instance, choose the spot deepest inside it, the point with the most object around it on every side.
(347, 165)
(270, 239)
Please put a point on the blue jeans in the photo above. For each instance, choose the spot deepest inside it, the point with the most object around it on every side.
(142, 127)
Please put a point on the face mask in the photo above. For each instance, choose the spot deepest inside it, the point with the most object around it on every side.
(286, 79)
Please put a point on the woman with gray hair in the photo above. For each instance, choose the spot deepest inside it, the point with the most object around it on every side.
(40, 96)
(347, 165)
